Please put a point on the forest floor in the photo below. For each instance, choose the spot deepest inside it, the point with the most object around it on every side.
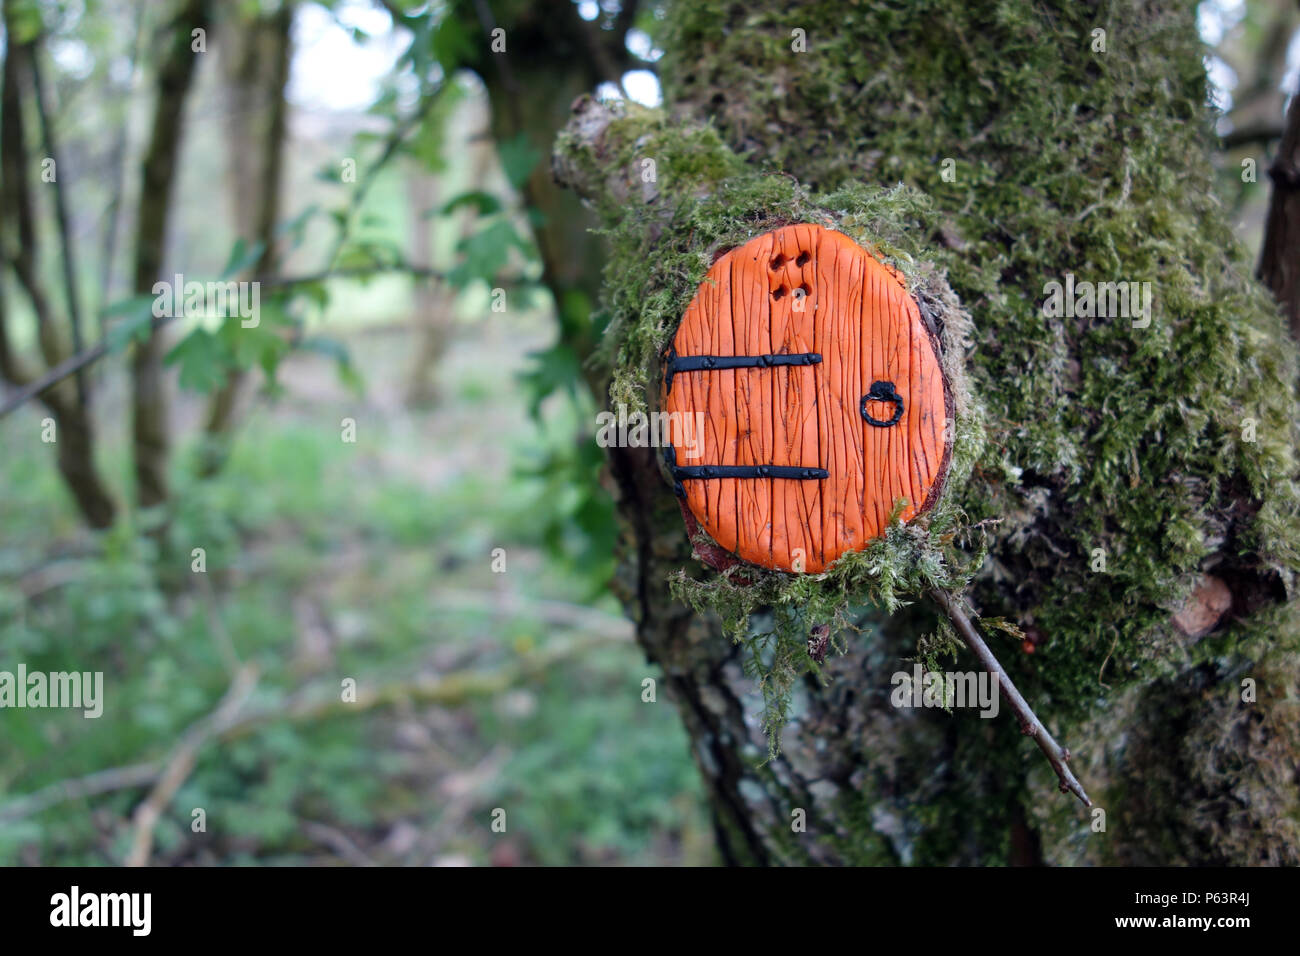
(328, 560)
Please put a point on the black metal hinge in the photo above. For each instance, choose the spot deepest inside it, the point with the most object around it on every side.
(682, 473)
(709, 363)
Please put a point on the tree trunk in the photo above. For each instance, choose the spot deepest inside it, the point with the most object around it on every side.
(74, 436)
(148, 394)
(1279, 260)
(551, 56)
(1141, 476)
(255, 57)
(431, 308)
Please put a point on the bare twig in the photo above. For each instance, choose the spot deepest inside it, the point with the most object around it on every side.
(1030, 725)
(181, 761)
(1261, 133)
(338, 841)
(79, 788)
(69, 366)
(460, 799)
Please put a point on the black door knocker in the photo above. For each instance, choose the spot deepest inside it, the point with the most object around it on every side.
(883, 392)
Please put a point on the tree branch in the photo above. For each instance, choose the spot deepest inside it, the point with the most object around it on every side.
(93, 354)
(1030, 725)
(1262, 133)
(62, 219)
(69, 366)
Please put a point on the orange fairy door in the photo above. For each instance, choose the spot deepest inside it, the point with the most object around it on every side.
(821, 396)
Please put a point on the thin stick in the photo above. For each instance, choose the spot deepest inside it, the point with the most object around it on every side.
(181, 762)
(79, 788)
(69, 366)
(1030, 725)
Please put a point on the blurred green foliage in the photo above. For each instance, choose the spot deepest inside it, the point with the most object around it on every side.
(327, 559)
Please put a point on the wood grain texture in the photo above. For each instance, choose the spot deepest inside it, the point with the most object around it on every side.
(798, 289)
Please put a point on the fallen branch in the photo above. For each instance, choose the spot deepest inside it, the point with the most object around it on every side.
(1030, 725)
(182, 760)
(79, 788)
(338, 841)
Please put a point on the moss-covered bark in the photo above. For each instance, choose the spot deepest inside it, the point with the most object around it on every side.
(1166, 450)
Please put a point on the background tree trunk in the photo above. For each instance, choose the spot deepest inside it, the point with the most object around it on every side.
(74, 433)
(148, 395)
(1101, 438)
(551, 57)
(255, 58)
(1279, 260)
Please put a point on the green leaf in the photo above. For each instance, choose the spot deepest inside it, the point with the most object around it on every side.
(259, 344)
(365, 253)
(518, 157)
(486, 253)
(451, 43)
(484, 202)
(428, 145)
(333, 348)
(204, 361)
(243, 256)
(314, 292)
(298, 223)
(296, 228)
(136, 319)
(553, 369)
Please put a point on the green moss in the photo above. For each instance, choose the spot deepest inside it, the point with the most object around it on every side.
(660, 253)
(1065, 161)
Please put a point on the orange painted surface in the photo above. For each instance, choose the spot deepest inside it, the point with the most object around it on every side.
(859, 318)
